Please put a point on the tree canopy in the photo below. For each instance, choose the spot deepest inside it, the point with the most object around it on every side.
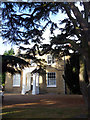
(12, 63)
(9, 52)
(26, 22)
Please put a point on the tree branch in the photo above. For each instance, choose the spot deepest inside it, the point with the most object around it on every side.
(72, 19)
(79, 17)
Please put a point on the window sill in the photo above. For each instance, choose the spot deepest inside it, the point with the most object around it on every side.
(51, 86)
(16, 86)
(51, 64)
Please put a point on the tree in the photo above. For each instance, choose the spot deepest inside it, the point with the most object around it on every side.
(33, 29)
(72, 74)
(11, 64)
(9, 52)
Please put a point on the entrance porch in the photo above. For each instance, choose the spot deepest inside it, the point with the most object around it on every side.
(29, 80)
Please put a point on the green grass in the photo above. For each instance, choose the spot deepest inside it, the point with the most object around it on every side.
(42, 112)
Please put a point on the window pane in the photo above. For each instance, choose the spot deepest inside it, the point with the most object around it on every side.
(50, 59)
(51, 78)
(16, 80)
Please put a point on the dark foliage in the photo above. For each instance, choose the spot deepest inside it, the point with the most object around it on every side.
(12, 64)
(72, 74)
(25, 26)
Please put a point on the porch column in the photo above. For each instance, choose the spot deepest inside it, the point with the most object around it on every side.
(24, 83)
(37, 83)
(34, 84)
(28, 82)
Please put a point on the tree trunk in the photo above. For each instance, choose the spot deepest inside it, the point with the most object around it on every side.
(87, 56)
(89, 101)
(88, 87)
(84, 87)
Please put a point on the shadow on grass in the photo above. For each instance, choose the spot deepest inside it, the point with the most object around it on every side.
(42, 113)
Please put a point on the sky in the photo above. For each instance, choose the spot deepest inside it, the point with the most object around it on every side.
(46, 35)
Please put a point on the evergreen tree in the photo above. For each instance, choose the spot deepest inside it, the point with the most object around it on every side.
(11, 64)
(72, 74)
(29, 25)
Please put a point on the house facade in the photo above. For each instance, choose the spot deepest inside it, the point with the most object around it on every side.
(51, 81)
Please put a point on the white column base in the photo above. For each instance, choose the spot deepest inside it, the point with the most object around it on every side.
(23, 91)
(33, 92)
(37, 90)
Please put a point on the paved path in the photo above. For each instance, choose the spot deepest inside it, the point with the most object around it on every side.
(42, 100)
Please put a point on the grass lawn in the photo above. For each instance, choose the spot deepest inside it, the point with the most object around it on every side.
(43, 112)
(18, 107)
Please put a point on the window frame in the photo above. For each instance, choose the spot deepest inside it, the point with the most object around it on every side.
(15, 78)
(48, 80)
(52, 60)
